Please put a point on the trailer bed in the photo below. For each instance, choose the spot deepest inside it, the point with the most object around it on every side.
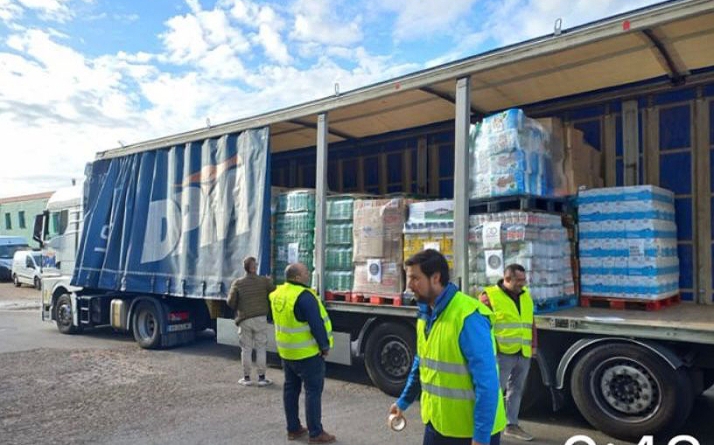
(681, 322)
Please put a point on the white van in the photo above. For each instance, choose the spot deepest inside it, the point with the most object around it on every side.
(27, 268)
(8, 246)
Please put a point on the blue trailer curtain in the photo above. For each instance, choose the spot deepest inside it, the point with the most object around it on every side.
(178, 220)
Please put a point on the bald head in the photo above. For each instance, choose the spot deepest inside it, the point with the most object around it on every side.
(298, 273)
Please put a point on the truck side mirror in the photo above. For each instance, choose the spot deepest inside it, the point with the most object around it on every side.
(37, 230)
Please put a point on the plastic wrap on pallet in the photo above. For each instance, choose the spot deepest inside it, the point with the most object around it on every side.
(536, 241)
(510, 155)
(430, 226)
(293, 231)
(378, 245)
(628, 243)
(339, 239)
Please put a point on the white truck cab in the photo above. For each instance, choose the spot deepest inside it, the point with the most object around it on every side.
(58, 230)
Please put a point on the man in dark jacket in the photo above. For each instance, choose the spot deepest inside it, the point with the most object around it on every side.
(249, 298)
(303, 335)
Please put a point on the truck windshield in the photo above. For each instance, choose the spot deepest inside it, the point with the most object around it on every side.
(58, 223)
(9, 251)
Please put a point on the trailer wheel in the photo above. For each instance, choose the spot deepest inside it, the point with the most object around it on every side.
(63, 315)
(147, 326)
(389, 354)
(627, 391)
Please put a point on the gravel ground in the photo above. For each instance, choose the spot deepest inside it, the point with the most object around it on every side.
(100, 387)
(23, 297)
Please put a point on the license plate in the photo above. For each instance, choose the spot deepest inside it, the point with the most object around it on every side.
(179, 327)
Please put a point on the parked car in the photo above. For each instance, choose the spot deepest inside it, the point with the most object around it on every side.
(8, 246)
(27, 268)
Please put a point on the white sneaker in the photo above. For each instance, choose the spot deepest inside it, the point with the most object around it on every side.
(245, 382)
(265, 382)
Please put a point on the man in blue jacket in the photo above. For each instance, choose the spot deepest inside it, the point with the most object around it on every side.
(455, 363)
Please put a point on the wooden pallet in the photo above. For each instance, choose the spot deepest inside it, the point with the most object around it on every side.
(337, 295)
(523, 202)
(555, 304)
(626, 303)
(377, 299)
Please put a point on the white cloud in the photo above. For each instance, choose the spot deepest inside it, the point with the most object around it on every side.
(201, 35)
(57, 10)
(513, 21)
(9, 11)
(420, 18)
(317, 21)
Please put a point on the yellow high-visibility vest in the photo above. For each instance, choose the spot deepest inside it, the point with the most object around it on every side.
(447, 390)
(513, 329)
(293, 337)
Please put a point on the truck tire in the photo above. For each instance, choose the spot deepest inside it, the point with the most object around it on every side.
(146, 326)
(15, 280)
(389, 354)
(38, 283)
(64, 317)
(628, 391)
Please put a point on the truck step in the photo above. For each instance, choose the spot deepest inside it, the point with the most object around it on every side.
(522, 202)
(555, 304)
(627, 303)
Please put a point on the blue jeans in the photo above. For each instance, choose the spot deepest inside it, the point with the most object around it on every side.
(432, 437)
(311, 373)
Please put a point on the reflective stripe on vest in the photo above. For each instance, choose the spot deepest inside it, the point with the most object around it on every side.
(513, 328)
(447, 397)
(293, 337)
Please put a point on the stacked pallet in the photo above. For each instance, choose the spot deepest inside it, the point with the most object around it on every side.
(339, 274)
(628, 243)
(537, 241)
(294, 232)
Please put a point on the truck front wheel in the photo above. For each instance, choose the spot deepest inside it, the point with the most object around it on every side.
(628, 391)
(388, 355)
(147, 326)
(63, 315)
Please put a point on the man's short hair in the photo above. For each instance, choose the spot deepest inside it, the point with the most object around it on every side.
(248, 262)
(292, 272)
(511, 269)
(431, 261)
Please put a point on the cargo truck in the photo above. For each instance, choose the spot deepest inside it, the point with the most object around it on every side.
(167, 222)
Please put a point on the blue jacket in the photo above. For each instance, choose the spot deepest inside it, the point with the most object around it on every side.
(477, 347)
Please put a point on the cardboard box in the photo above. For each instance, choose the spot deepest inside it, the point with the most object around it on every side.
(378, 277)
(378, 226)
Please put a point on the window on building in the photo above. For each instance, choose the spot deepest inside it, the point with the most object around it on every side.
(21, 217)
(8, 221)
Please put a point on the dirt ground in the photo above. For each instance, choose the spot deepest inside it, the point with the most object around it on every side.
(100, 387)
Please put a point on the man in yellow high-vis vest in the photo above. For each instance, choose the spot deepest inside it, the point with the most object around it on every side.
(513, 326)
(303, 335)
(455, 364)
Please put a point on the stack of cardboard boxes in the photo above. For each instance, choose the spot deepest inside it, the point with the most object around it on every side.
(575, 163)
(378, 246)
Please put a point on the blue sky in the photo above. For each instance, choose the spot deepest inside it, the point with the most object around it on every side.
(79, 76)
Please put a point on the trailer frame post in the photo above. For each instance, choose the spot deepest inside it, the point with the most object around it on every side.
(320, 203)
(461, 182)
